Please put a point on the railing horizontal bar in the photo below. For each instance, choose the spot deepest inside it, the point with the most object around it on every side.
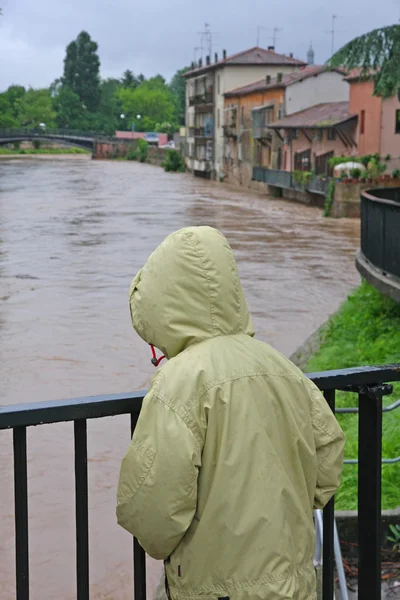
(91, 407)
(330, 380)
(385, 461)
(348, 410)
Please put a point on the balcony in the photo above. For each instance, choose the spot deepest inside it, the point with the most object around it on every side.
(230, 131)
(262, 133)
(371, 384)
(206, 132)
(379, 258)
(200, 100)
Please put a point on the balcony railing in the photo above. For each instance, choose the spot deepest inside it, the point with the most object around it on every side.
(230, 130)
(379, 259)
(262, 133)
(371, 383)
(200, 99)
(285, 179)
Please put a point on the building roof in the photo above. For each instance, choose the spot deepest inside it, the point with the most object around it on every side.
(253, 56)
(287, 79)
(358, 74)
(320, 116)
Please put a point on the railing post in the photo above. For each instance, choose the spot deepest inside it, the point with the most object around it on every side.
(21, 513)
(369, 492)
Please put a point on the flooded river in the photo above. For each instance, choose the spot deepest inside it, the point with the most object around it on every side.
(73, 232)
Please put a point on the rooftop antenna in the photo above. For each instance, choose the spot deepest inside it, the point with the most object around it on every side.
(332, 32)
(206, 39)
(196, 49)
(259, 29)
(275, 32)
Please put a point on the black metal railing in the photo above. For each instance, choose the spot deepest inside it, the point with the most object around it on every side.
(380, 229)
(371, 384)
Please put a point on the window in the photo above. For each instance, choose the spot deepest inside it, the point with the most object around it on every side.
(295, 134)
(219, 84)
(397, 121)
(331, 135)
(362, 122)
(218, 118)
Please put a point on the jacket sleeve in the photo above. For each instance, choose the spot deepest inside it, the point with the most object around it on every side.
(329, 445)
(157, 490)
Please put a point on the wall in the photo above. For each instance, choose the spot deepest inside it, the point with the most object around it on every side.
(138, 135)
(231, 78)
(390, 140)
(347, 197)
(361, 98)
(112, 150)
(317, 147)
(325, 87)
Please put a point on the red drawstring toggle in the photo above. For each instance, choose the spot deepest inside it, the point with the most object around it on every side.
(155, 361)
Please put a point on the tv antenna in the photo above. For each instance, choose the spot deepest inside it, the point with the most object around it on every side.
(275, 32)
(259, 29)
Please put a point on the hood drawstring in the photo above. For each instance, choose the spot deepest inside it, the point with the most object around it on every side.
(155, 361)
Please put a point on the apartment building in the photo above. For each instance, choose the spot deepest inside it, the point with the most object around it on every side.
(206, 86)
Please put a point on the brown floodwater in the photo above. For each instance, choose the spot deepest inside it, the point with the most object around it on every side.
(73, 232)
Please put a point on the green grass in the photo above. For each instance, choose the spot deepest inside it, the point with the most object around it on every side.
(365, 331)
(16, 151)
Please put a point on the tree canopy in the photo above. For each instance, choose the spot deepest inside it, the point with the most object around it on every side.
(81, 70)
(80, 99)
(377, 53)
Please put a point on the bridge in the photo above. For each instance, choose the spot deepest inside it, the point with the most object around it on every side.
(68, 137)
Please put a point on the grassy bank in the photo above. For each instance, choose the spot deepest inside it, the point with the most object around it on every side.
(19, 151)
(365, 331)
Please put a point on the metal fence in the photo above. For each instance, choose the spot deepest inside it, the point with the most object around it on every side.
(369, 382)
(285, 179)
(380, 229)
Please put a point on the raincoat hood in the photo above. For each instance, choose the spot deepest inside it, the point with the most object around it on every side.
(189, 291)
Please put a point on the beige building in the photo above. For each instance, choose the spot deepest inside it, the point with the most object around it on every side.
(205, 89)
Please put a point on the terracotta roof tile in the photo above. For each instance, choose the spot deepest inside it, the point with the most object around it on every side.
(324, 115)
(287, 79)
(253, 56)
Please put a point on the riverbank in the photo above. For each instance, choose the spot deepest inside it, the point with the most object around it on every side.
(5, 152)
(364, 331)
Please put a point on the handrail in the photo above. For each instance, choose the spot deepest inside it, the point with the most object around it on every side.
(369, 382)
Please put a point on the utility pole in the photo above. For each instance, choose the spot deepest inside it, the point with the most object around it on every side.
(259, 29)
(275, 32)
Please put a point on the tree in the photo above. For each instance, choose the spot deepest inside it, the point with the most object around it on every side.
(178, 88)
(35, 107)
(81, 70)
(377, 53)
(153, 100)
(69, 110)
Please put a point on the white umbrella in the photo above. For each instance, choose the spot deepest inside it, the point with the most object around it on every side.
(347, 166)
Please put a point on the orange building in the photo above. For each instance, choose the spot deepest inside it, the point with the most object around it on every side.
(250, 110)
(378, 128)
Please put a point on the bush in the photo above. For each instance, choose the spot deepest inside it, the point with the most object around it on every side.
(396, 173)
(131, 154)
(36, 144)
(143, 151)
(355, 173)
(174, 162)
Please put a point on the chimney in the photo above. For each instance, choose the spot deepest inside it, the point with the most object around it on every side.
(224, 54)
(268, 79)
(279, 77)
(193, 65)
(216, 57)
(208, 60)
(200, 62)
(291, 55)
(271, 47)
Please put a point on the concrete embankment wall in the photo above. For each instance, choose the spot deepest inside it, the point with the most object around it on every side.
(117, 149)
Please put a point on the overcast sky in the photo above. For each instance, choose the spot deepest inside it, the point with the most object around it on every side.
(159, 36)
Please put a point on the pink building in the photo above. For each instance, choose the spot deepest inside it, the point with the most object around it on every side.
(159, 139)
(312, 136)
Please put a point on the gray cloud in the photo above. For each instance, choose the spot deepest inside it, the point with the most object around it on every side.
(159, 36)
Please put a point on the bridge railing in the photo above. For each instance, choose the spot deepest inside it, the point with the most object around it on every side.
(371, 384)
(48, 132)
